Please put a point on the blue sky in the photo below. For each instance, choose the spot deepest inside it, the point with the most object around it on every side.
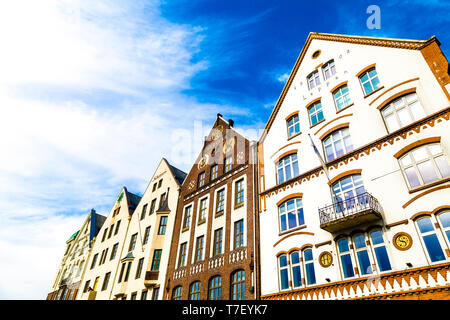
(94, 93)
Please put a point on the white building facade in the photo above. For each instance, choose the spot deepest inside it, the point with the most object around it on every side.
(372, 220)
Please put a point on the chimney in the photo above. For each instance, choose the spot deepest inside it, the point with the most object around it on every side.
(219, 115)
(231, 122)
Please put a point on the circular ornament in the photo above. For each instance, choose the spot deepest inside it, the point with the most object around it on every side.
(325, 259)
(203, 161)
(402, 241)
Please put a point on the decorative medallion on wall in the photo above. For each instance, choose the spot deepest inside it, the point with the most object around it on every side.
(402, 241)
(203, 161)
(316, 54)
(325, 259)
(229, 145)
(240, 157)
(191, 185)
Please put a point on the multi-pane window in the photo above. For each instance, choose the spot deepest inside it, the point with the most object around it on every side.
(228, 163)
(187, 217)
(379, 249)
(117, 227)
(214, 172)
(328, 69)
(144, 210)
(402, 111)
(290, 272)
(182, 255)
(177, 293)
(110, 232)
(103, 239)
(283, 268)
(146, 235)
(444, 220)
(313, 79)
(345, 258)
(201, 179)
(220, 201)
(293, 125)
(94, 260)
(239, 192)
(369, 81)
(348, 191)
(152, 206)
(341, 97)
(122, 269)
(202, 210)
(424, 165)
(155, 294)
(287, 168)
(194, 290)
(296, 269)
(162, 225)
(114, 251)
(238, 285)
(105, 281)
(139, 268)
(430, 239)
(309, 266)
(132, 242)
(215, 288)
(218, 236)
(291, 214)
(315, 113)
(156, 259)
(127, 273)
(238, 234)
(337, 144)
(362, 254)
(199, 244)
(144, 294)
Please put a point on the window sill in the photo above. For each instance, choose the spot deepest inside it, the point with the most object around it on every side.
(344, 108)
(295, 135)
(283, 233)
(185, 229)
(317, 124)
(219, 214)
(429, 185)
(239, 205)
(368, 95)
(201, 222)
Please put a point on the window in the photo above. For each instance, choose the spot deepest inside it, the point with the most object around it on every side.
(95, 284)
(194, 291)
(220, 201)
(161, 199)
(215, 288)
(201, 179)
(154, 186)
(103, 238)
(144, 295)
(110, 231)
(293, 125)
(152, 206)
(444, 220)
(380, 251)
(182, 255)
(239, 193)
(105, 281)
(402, 111)
(86, 286)
(202, 211)
(94, 260)
(146, 235)
(160, 183)
(328, 69)
(144, 210)
(315, 113)
(369, 81)
(228, 164)
(155, 294)
(238, 285)
(296, 269)
(162, 225)
(313, 79)
(290, 272)
(362, 254)
(348, 191)
(104, 257)
(133, 296)
(117, 227)
(424, 165)
(291, 214)
(238, 234)
(132, 242)
(156, 259)
(214, 172)
(345, 258)
(139, 268)
(217, 247)
(287, 168)
(309, 266)
(177, 292)
(199, 249)
(337, 144)
(430, 239)
(187, 217)
(341, 97)
(127, 273)
(284, 272)
(114, 251)
(121, 272)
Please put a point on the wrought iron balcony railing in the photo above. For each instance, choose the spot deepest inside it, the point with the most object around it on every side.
(350, 212)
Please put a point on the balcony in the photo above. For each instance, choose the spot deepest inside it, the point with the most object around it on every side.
(349, 213)
(151, 278)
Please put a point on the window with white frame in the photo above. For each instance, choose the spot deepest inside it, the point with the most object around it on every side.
(287, 168)
(337, 144)
(187, 217)
(341, 97)
(402, 111)
(379, 250)
(430, 239)
(348, 191)
(308, 262)
(444, 222)
(315, 113)
(313, 79)
(369, 81)
(202, 211)
(283, 269)
(291, 214)
(328, 69)
(345, 258)
(290, 270)
(424, 165)
(293, 125)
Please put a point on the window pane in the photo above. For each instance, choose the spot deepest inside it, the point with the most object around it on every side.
(444, 167)
(292, 220)
(420, 154)
(382, 258)
(364, 262)
(412, 177)
(310, 274)
(392, 123)
(359, 242)
(427, 171)
(417, 110)
(425, 225)
(283, 222)
(296, 276)
(445, 219)
(295, 258)
(434, 248)
(347, 266)
(404, 116)
(377, 237)
(343, 245)
(301, 218)
(284, 280)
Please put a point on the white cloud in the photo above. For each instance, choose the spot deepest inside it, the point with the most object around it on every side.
(283, 78)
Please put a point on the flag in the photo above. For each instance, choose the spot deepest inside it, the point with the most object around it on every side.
(320, 157)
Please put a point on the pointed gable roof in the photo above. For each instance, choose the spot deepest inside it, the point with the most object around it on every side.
(362, 40)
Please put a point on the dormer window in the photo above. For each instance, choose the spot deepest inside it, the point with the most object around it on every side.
(313, 79)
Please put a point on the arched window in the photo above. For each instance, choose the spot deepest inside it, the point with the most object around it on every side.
(313, 79)
(296, 269)
(283, 268)
(177, 292)
(328, 69)
(444, 222)
(380, 251)
(424, 165)
(362, 254)
(402, 111)
(337, 144)
(309, 266)
(293, 125)
(290, 272)
(194, 290)
(430, 239)
(348, 192)
(238, 285)
(291, 214)
(215, 288)
(315, 113)
(341, 97)
(287, 168)
(345, 258)
(369, 81)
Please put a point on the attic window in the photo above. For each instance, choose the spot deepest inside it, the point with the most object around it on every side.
(316, 54)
